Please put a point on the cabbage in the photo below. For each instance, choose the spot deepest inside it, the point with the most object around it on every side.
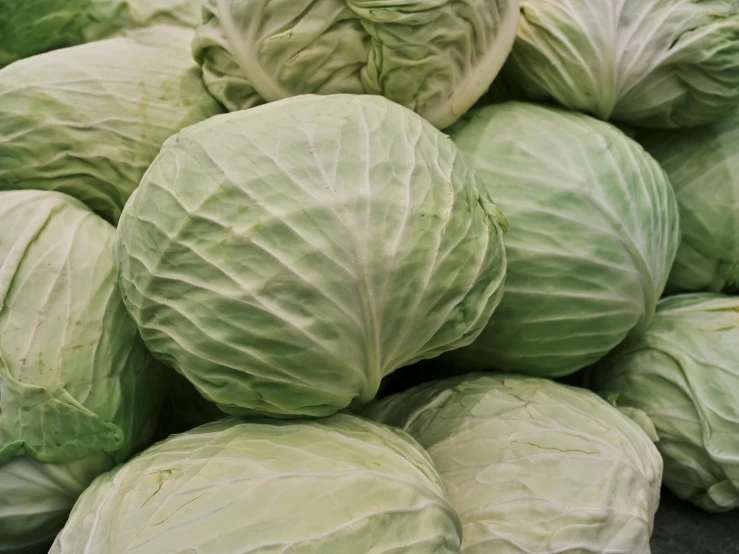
(533, 466)
(681, 377)
(36, 498)
(654, 63)
(29, 27)
(113, 17)
(436, 57)
(77, 386)
(286, 258)
(339, 484)
(88, 120)
(703, 166)
(594, 231)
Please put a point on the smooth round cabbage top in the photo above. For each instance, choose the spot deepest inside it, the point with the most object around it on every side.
(286, 258)
(75, 376)
(532, 465)
(681, 378)
(594, 231)
(652, 63)
(31, 27)
(703, 167)
(36, 498)
(338, 484)
(436, 57)
(88, 120)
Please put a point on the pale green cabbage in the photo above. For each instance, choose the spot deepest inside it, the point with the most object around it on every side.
(36, 498)
(436, 57)
(594, 231)
(286, 258)
(703, 166)
(88, 120)
(77, 385)
(533, 466)
(655, 63)
(681, 377)
(30, 27)
(339, 484)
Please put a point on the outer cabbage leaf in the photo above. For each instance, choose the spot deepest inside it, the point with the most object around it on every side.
(113, 17)
(436, 57)
(682, 375)
(77, 385)
(703, 166)
(88, 120)
(76, 378)
(286, 258)
(339, 484)
(36, 498)
(654, 63)
(533, 466)
(594, 231)
(31, 27)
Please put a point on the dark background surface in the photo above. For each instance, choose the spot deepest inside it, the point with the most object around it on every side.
(681, 528)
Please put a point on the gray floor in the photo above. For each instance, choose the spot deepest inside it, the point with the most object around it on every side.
(680, 528)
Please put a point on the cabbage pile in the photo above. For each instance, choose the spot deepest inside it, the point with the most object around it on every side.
(366, 276)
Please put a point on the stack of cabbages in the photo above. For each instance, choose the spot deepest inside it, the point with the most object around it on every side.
(365, 276)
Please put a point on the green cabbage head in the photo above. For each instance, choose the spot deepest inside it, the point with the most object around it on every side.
(30, 27)
(594, 231)
(36, 498)
(703, 166)
(681, 378)
(287, 257)
(78, 389)
(338, 484)
(436, 57)
(88, 120)
(652, 63)
(533, 466)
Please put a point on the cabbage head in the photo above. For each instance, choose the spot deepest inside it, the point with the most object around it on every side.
(338, 484)
(652, 63)
(533, 466)
(594, 231)
(703, 166)
(78, 389)
(36, 498)
(30, 27)
(287, 257)
(88, 120)
(681, 378)
(436, 57)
